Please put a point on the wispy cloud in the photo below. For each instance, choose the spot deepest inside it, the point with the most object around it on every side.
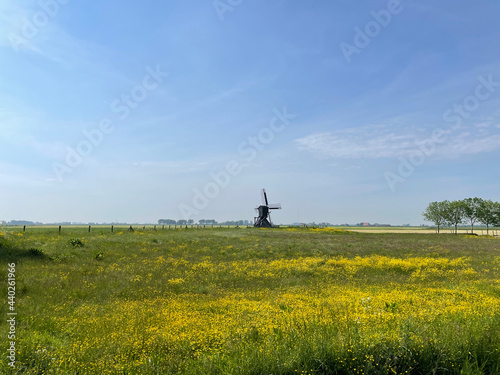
(15, 22)
(11, 16)
(386, 142)
(362, 142)
(468, 143)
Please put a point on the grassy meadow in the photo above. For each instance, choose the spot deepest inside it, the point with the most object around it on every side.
(251, 301)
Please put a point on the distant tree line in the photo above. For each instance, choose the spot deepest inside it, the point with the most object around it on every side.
(237, 222)
(207, 222)
(468, 211)
(202, 222)
(175, 222)
(20, 222)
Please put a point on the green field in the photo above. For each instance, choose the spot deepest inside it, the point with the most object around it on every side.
(250, 301)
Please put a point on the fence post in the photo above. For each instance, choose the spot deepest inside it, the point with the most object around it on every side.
(112, 229)
(89, 228)
(24, 228)
(59, 229)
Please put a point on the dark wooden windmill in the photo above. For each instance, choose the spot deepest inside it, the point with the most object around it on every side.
(264, 212)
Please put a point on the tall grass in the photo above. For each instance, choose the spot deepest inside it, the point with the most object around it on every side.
(249, 301)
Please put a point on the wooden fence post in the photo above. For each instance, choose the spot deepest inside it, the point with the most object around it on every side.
(59, 229)
(89, 228)
(112, 229)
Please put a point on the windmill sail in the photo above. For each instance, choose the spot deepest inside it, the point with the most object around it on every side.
(264, 197)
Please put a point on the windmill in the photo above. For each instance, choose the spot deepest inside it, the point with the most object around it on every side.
(264, 212)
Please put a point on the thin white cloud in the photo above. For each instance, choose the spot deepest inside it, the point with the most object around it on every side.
(11, 16)
(357, 143)
(18, 130)
(363, 143)
(19, 31)
(184, 166)
(49, 40)
(469, 144)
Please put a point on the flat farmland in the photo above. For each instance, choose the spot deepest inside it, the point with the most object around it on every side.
(251, 301)
(423, 230)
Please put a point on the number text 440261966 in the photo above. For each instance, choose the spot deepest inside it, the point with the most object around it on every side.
(11, 314)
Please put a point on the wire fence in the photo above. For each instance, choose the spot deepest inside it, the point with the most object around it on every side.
(481, 231)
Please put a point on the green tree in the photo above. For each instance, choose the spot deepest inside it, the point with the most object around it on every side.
(436, 213)
(471, 210)
(496, 220)
(167, 221)
(455, 213)
(489, 213)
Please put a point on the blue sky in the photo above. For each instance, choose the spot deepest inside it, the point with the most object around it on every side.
(344, 111)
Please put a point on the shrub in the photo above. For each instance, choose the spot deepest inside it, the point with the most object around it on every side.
(36, 252)
(76, 242)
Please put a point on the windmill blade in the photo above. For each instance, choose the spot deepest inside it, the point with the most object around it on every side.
(276, 206)
(264, 197)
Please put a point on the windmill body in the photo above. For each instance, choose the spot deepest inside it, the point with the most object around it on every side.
(264, 212)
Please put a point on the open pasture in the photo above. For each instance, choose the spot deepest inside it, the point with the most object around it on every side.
(251, 301)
